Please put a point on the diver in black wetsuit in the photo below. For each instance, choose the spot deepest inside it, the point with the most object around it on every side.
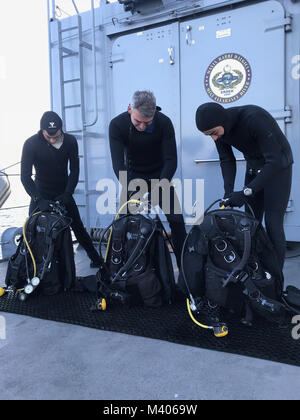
(50, 151)
(142, 143)
(255, 133)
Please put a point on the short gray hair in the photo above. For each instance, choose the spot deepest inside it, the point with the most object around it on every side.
(145, 102)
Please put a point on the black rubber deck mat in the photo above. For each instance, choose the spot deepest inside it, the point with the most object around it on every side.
(170, 323)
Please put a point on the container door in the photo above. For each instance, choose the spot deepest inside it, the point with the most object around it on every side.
(148, 60)
(235, 58)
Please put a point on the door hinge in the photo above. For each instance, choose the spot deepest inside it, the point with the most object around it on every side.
(285, 114)
(285, 23)
(116, 58)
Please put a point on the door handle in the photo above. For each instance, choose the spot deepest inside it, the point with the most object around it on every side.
(171, 55)
(215, 160)
(188, 35)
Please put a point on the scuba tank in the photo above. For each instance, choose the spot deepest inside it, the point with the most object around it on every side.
(44, 259)
(229, 262)
(133, 270)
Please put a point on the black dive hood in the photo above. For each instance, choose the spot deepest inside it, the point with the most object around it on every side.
(211, 115)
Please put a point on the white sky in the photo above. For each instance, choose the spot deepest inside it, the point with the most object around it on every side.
(24, 73)
(24, 70)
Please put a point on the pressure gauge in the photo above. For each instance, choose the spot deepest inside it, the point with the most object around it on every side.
(28, 289)
(35, 281)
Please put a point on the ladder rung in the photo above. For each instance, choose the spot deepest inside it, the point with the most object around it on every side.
(89, 192)
(86, 134)
(69, 55)
(68, 51)
(69, 29)
(71, 81)
(72, 106)
(86, 45)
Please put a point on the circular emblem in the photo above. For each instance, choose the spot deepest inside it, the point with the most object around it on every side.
(228, 78)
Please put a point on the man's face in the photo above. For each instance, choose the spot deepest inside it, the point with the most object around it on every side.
(215, 133)
(138, 120)
(52, 139)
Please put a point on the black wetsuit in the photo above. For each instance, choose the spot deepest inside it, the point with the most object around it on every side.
(53, 179)
(151, 154)
(255, 133)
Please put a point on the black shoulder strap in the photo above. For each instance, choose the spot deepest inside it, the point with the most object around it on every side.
(245, 228)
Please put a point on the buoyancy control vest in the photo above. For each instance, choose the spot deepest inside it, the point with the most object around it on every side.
(230, 260)
(137, 267)
(44, 260)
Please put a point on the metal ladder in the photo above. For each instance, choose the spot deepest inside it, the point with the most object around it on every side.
(65, 53)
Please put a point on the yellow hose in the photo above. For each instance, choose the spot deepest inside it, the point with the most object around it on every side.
(2, 290)
(219, 331)
(193, 319)
(27, 244)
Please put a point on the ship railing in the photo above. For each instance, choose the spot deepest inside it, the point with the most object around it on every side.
(3, 173)
(18, 229)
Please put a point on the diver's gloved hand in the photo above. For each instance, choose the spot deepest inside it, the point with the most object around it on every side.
(45, 205)
(235, 199)
(64, 198)
(222, 202)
